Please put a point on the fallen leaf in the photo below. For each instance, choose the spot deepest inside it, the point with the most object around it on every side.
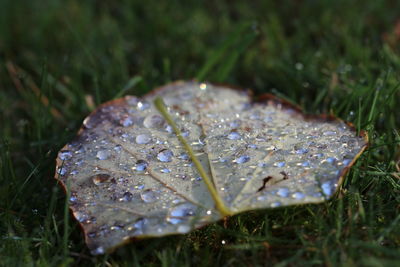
(189, 154)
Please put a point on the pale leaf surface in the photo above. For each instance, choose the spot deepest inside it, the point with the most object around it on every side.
(130, 176)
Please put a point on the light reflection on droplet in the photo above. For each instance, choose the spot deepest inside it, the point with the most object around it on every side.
(149, 196)
(142, 139)
(102, 154)
(165, 155)
(242, 159)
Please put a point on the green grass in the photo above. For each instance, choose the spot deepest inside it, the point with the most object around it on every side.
(339, 57)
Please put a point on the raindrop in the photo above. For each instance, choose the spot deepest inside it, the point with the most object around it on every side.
(298, 195)
(329, 133)
(102, 155)
(279, 164)
(242, 159)
(183, 229)
(65, 155)
(234, 136)
(142, 139)
(165, 170)
(98, 251)
(180, 212)
(127, 196)
(169, 129)
(62, 171)
(276, 204)
(141, 165)
(142, 105)
(153, 121)
(283, 192)
(326, 189)
(183, 156)
(301, 151)
(100, 178)
(149, 196)
(118, 148)
(126, 121)
(165, 155)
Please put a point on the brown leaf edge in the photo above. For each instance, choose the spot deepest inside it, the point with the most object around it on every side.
(266, 98)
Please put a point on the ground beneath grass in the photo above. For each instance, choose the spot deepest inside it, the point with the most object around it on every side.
(60, 59)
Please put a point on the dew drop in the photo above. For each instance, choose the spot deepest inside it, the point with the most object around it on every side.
(62, 171)
(118, 148)
(126, 121)
(102, 155)
(141, 165)
(183, 229)
(298, 195)
(183, 156)
(234, 136)
(153, 121)
(142, 139)
(127, 196)
(142, 105)
(165, 170)
(65, 155)
(100, 178)
(283, 192)
(180, 213)
(98, 251)
(149, 196)
(165, 155)
(326, 189)
(329, 133)
(280, 164)
(276, 204)
(242, 159)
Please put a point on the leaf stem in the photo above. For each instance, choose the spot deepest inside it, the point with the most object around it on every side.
(219, 203)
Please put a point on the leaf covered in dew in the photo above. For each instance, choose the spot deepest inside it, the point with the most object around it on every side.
(130, 174)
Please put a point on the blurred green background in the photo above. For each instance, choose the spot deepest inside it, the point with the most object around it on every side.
(59, 59)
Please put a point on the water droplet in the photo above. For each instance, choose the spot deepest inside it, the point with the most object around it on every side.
(62, 171)
(169, 129)
(329, 133)
(276, 204)
(305, 164)
(126, 121)
(223, 242)
(346, 162)
(65, 155)
(234, 136)
(100, 178)
(149, 196)
(183, 229)
(153, 121)
(298, 195)
(183, 156)
(142, 139)
(98, 251)
(302, 151)
(165, 155)
(141, 165)
(326, 189)
(180, 213)
(242, 159)
(283, 192)
(118, 148)
(127, 196)
(165, 170)
(102, 155)
(280, 164)
(203, 86)
(142, 105)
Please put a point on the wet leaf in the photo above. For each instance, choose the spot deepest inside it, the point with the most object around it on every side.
(189, 154)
